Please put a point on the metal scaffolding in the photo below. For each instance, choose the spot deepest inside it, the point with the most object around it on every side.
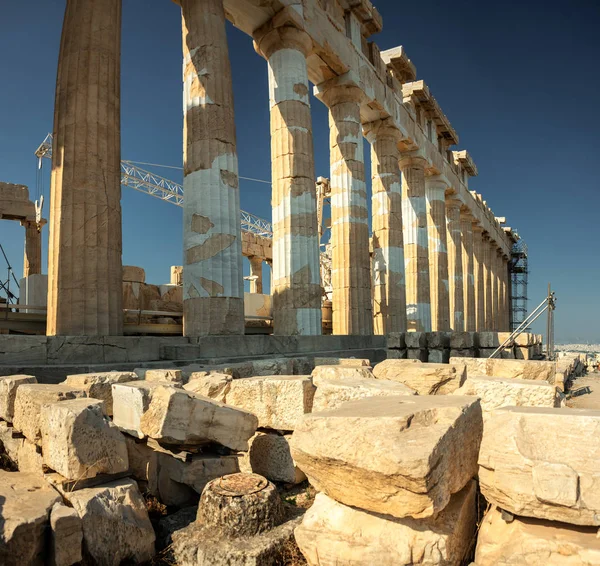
(519, 272)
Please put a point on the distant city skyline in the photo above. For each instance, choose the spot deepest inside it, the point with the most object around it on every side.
(516, 80)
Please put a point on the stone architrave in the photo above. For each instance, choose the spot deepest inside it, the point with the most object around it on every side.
(333, 393)
(84, 256)
(8, 392)
(213, 290)
(332, 533)
(116, 526)
(478, 271)
(389, 288)
(416, 244)
(455, 265)
(296, 268)
(525, 541)
(99, 385)
(543, 463)
(468, 266)
(79, 442)
(357, 454)
(435, 191)
(351, 263)
(279, 401)
(425, 379)
(24, 515)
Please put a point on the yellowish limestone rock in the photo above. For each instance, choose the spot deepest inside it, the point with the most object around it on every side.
(425, 379)
(99, 385)
(337, 372)
(8, 392)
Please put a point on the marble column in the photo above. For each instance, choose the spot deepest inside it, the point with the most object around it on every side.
(389, 290)
(487, 282)
(84, 257)
(32, 259)
(213, 290)
(416, 244)
(505, 294)
(435, 192)
(497, 288)
(351, 262)
(478, 272)
(468, 266)
(296, 273)
(455, 265)
(256, 271)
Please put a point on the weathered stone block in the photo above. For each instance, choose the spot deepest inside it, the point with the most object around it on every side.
(15, 349)
(526, 541)
(29, 458)
(270, 456)
(542, 462)
(67, 536)
(524, 352)
(8, 392)
(396, 354)
(416, 340)
(209, 384)
(519, 369)
(420, 355)
(333, 393)
(130, 401)
(496, 392)
(79, 442)
(525, 339)
(176, 416)
(462, 340)
(382, 475)
(338, 373)
(174, 376)
(11, 441)
(116, 527)
(425, 379)
(463, 353)
(278, 401)
(332, 533)
(99, 385)
(28, 404)
(438, 340)
(353, 362)
(438, 356)
(24, 513)
(75, 349)
(396, 340)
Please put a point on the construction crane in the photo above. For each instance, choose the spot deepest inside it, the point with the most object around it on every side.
(164, 189)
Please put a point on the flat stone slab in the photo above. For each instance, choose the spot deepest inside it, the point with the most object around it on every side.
(279, 401)
(340, 372)
(513, 369)
(28, 405)
(526, 541)
(400, 456)
(209, 384)
(543, 462)
(79, 442)
(8, 392)
(99, 385)
(116, 527)
(176, 416)
(496, 392)
(333, 393)
(425, 379)
(332, 534)
(25, 504)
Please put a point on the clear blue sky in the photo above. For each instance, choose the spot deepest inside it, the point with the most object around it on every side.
(518, 80)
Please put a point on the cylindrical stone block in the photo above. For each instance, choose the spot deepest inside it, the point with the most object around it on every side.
(32, 259)
(213, 289)
(296, 273)
(351, 262)
(438, 255)
(84, 256)
(455, 267)
(256, 284)
(389, 290)
(416, 245)
(468, 264)
(478, 272)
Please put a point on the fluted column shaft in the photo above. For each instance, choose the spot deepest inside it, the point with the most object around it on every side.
(505, 295)
(213, 290)
(478, 272)
(497, 288)
(455, 265)
(438, 254)
(351, 263)
(389, 290)
(487, 282)
(296, 273)
(32, 259)
(256, 285)
(416, 244)
(468, 265)
(84, 256)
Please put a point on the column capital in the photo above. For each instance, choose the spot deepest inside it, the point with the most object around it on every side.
(285, 30)
(381, 129)
(407, 161)
(435, 182)
(477, 228)
(338, 90)
(452, 203)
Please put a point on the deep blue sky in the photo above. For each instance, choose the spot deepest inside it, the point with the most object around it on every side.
(519, 81)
